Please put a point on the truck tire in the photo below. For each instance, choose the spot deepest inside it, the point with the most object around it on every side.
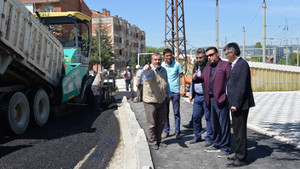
(18, 113)
(41, 107)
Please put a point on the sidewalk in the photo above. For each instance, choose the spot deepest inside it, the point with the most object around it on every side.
(281, 121)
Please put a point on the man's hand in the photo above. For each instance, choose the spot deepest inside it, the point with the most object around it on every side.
(233, 109)
(137, 85)
(147, 67)
(191, 99)
(182, 92)
(195, 75)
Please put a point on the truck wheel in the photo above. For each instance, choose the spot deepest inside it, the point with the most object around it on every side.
(18, 113)
(41, 107)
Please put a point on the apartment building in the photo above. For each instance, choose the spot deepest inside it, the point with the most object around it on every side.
(128, 40)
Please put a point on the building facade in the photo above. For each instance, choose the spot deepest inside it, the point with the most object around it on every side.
(127, 40)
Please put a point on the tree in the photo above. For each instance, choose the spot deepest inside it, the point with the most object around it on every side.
(293, 59)
(258, 45)
(281, 61)
(150, 49)
(107, 58)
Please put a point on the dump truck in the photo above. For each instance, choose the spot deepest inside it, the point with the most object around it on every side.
(40, 74)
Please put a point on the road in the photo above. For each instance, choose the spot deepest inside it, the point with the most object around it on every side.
(64, 141)
(263, 151)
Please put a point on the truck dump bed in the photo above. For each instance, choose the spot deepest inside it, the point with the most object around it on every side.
(29, 53)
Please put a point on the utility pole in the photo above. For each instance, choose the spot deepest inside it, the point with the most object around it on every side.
(175, 27)
(297, 52)
(217, 24)
(243, 42)
(286, 53)
(222, 49)
(264, 31)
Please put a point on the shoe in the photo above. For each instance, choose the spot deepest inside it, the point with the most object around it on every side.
(154, 147)
(163, 145)
(195, 140)
(212, 149)
(233, 158)
(236, 163)
(178, 136)
(188, 126)
(164, 135)
(207, 143)
(223, 154)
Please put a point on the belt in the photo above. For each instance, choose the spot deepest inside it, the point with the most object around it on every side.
(198, 94)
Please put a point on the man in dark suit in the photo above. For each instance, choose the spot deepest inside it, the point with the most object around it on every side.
(214, 77)
(240, 99)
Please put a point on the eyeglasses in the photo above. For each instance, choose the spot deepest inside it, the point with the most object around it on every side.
(227, 53)
(211, 54)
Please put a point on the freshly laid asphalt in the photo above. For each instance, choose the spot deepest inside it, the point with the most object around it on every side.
(264, 151)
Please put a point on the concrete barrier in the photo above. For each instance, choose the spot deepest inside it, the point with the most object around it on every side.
(137, 153)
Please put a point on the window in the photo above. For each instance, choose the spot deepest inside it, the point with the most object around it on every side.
(29, 7)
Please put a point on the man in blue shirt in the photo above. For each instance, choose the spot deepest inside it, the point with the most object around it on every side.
(174, 71)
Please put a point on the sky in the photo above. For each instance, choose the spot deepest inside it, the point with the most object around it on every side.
(282, 20)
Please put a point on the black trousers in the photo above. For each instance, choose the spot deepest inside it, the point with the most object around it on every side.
(239, 125)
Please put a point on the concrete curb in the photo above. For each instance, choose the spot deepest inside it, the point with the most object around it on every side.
(137, 153)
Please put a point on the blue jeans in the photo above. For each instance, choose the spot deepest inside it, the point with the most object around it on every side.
(128, 82)
(221, 125)
(200, 109)
(175, 97)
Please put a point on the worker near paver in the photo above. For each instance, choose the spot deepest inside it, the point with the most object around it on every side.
(199, 107)
(127, 75)
(139, 84)
(214, 77)
(96, 88)
(240, 99)
(156, 94)
(174, 71)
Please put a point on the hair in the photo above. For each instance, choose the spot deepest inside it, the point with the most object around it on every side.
(200, 51)
(155, 54)
(233, 47)
(212, 47)
(167, 50)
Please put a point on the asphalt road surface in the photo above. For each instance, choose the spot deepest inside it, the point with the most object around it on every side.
(263, 151)
(64, 141)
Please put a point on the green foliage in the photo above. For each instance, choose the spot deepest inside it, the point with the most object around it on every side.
(107, 58)
(258, 45)
(293, 59)
(281, 62)
(255, 59)
(150, 49)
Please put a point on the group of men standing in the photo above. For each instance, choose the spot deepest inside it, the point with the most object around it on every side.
(217, 87)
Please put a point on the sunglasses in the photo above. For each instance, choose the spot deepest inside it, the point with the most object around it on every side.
(211, 54)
